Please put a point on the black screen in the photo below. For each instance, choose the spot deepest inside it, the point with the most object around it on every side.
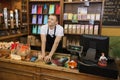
(100, 43)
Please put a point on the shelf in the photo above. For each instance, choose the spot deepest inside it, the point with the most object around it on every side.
(24, 11)
(44, 14)
(72, 34)
(24, 23)
(78, 2)
(36, 24)
(36, 34)
(82, 20)
(3, 29)
(109, 14)
(13, 36)
(45, 1)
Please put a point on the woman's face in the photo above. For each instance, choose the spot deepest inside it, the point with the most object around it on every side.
(52, 21)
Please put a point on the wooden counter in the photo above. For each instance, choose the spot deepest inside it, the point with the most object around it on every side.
(21, 70)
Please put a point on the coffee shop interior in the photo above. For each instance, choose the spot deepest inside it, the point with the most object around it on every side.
(59, 39)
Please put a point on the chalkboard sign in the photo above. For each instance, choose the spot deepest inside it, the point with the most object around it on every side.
(111, 15)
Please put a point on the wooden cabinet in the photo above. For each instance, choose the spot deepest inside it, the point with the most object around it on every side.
(48, 74)
(49, 77)
(16, 72)
(21, 70)
(15, 76)
(81, 17)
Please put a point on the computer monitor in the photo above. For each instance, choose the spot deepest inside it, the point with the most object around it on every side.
(100, 43)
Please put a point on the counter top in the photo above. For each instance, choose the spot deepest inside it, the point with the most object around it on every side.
(41, 65)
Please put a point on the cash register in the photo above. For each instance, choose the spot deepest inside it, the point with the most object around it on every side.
(93, 46)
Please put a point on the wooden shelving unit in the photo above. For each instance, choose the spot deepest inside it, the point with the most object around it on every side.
(82, 23)
(22, 28)
(40, 4)
(95, 7)
(78, 2)
(12, 36)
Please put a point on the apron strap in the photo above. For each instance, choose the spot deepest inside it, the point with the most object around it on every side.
(54, 30)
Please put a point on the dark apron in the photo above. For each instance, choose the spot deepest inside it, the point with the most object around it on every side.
(50, 41)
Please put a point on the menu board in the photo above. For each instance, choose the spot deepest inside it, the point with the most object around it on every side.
(111, 15)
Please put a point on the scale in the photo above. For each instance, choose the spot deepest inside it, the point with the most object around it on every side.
(75, 51)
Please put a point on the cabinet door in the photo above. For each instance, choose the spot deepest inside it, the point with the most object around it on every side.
(15, 75)
(51, 77)
(10, 71)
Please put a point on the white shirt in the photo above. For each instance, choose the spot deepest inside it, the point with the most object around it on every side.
(59, 30)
